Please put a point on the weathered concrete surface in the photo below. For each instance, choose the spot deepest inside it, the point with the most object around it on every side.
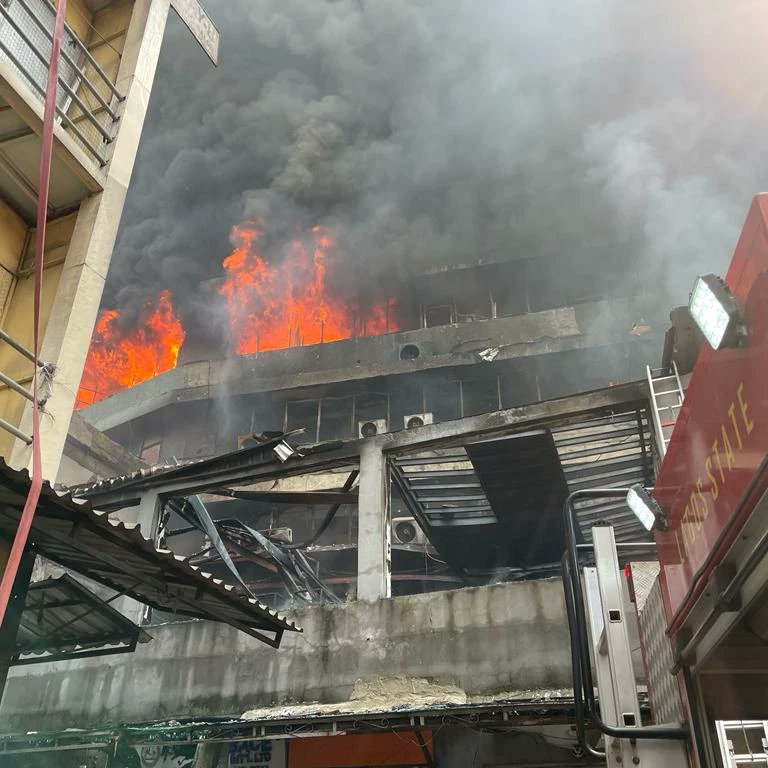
(89, 453)
(507, 637)
(373, 521)
(538, 333)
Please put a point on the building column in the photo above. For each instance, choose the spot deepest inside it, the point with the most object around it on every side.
(78, 296)
(373, 525)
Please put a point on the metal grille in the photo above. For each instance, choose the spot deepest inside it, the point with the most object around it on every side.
(29, 65)
(662, 686)
(607, 452)
(86, 107)
(446, 488)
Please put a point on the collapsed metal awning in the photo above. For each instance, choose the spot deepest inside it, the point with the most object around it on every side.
(493, 504)
(64, 620)
(498, 503)
(74, 535)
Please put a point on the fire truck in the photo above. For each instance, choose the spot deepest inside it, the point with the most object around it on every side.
(700, 612)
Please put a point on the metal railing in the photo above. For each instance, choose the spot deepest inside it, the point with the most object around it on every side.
(26, 32)
(44, 390)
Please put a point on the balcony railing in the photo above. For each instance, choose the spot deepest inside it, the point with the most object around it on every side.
(87, 99)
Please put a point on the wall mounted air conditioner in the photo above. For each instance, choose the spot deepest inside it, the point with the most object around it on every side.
(371, 427)
(414, 420)
(405, 530)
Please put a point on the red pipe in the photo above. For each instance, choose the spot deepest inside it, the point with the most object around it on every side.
(46, 151)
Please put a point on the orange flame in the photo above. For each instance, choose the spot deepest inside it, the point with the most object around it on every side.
(288, 304)
(119, 358)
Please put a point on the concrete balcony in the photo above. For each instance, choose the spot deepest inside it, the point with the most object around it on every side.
(563, 329)
(88, 104)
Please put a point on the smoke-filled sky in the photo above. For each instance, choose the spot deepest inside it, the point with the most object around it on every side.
(603, 136)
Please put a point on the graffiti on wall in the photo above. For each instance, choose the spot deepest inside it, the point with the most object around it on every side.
(262, 753)
(157, 756)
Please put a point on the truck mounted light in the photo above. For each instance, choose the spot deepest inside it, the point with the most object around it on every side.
(715, 312)
(646, 508)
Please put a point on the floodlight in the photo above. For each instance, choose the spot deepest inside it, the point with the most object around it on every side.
(715, 312)
(646, 508)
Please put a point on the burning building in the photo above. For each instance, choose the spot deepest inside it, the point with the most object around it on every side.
(368, 412)
(301, 358)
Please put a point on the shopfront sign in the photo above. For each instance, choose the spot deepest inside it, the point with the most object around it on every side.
(260, 753)
(200, 25)
(714, 469)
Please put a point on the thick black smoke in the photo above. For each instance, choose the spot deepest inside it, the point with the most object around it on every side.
(621, 142)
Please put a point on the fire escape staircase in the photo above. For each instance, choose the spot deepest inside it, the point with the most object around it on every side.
(666, 394)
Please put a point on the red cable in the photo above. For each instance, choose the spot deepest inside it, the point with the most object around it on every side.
(46, 150)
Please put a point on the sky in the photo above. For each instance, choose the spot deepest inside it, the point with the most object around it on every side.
(619, 142)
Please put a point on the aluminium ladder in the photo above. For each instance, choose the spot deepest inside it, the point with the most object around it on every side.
(743, 742)
(667, 395)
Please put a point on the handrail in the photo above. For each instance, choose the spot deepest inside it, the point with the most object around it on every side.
(73, 64)
(15, 386)
(22, 350)
(61, 81)
(65, 119)
(79, 43)
(15, 432)
(45, 370)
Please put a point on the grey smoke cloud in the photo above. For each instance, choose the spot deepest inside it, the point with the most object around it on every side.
(619, 142)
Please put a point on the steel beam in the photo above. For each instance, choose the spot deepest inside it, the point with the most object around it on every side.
(242, 467)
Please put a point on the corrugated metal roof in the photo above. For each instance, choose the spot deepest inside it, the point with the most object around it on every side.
(140, 476)
(607, 452)
(74, 535)
(63, 619)
(118, 481)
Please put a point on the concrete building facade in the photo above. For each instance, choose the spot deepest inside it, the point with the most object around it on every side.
(107, 69)
(406, 510)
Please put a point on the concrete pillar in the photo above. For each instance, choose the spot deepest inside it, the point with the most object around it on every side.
(79, 292)
(373, 526)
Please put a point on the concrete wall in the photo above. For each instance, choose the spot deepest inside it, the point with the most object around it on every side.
(508, 637)
(90, 454)
(13, 239)
(17, 315)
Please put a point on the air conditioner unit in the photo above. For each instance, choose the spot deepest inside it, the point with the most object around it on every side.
(371, 427)
(414, 420)
(405, 530)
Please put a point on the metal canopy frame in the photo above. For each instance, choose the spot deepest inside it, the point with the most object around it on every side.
(596, 434)
(612, 449)
(510, 714)
(257, 464)
(62, 619)
(112, 553)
